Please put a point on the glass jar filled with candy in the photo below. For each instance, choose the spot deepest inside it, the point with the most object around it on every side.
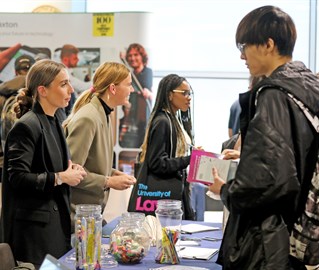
(88, 236)
(129, 241)
(141, 217)
(169, 215)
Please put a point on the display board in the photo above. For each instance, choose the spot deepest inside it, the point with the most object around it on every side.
(99, 37)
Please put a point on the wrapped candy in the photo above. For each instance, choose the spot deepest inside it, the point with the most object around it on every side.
(129, 241)
(88, 233)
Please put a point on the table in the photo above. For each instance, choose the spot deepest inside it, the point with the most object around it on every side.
(149, 261)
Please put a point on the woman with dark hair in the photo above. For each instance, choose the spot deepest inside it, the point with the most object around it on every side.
(166, 146)
(37, 171)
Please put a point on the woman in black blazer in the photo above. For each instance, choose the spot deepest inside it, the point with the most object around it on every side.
(37, 171)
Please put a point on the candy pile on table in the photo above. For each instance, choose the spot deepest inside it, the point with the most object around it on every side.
(127, 250)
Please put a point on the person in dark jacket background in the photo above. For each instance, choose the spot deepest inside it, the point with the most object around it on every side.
(279, 147)
(166, 143)
(8, 91)
(37, 170)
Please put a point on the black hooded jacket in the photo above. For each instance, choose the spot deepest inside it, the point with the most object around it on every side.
(278, 155)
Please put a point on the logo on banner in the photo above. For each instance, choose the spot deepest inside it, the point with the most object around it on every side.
(150, 198)
(103, 24)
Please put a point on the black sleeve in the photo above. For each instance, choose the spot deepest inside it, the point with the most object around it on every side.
(266, 174)
(21, 145)
(158, 151)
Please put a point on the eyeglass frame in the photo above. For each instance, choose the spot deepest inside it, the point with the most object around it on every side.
(185, 93)
(241, 47)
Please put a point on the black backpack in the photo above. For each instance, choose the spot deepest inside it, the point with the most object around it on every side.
(304, 238)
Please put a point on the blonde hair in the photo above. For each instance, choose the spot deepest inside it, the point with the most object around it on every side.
(106, 74)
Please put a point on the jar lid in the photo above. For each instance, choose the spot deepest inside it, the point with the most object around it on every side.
(133, 215)
(169, 204)
(88, 208)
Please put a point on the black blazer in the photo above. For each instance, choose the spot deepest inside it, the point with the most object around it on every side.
(35, 213)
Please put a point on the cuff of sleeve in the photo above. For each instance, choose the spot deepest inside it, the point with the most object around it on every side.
(106, 188)
(223, 193)
(46, 181)
(186, 160)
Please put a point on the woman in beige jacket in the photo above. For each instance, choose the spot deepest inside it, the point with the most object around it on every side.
(90, 136)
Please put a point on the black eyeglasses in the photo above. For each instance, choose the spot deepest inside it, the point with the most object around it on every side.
(185, 93)
(241, 47)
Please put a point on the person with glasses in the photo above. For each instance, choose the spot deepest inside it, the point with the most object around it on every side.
(279, 147)
(166, 145)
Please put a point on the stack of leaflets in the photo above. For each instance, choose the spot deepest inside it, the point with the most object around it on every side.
(179, 267)
(198, 253)
(195, 228)
(202, 164)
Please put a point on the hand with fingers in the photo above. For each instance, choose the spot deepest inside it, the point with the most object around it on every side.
(231, 154)
(121, 181)
(218, 182)
(73, 175)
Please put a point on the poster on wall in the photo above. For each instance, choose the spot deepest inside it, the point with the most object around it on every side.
(98, 37)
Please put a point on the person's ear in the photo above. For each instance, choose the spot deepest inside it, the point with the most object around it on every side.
(112, 88)
(42, 91)
(270, 45)
(65, 61)
(170, 96)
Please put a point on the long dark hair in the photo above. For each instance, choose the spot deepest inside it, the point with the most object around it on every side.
(162, 103)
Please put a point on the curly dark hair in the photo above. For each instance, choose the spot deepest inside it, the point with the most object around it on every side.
(165, 87)
(141, 51)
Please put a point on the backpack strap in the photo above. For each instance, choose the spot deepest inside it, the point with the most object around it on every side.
(313, 119)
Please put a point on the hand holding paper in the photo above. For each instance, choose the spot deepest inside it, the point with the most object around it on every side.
(231, 154)
(202, 163)
(218, 183)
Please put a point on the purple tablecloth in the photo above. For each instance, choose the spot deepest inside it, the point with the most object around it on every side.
(149, 261)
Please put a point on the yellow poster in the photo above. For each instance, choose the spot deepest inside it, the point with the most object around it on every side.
(103, 24)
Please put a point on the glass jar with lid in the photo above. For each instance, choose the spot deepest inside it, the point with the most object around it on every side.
(140, 216)
(169, 214)
(88, 236)
(130, 241)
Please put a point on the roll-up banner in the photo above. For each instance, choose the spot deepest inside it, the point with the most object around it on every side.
(99, 37)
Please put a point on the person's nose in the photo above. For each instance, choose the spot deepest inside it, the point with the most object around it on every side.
(71, 89)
